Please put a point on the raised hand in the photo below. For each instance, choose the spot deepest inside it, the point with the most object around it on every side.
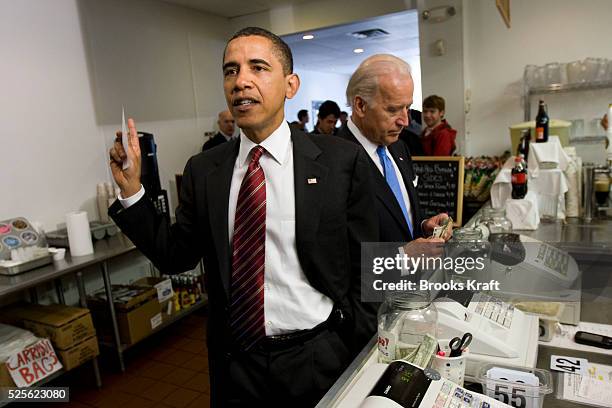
(128, 180)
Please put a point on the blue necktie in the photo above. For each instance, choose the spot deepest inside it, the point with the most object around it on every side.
(393, 182)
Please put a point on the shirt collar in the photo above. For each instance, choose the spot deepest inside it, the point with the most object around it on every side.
(369, 147)
(276, 144)
(228, 138)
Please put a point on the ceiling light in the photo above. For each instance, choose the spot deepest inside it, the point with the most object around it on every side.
(307, 37)
(358, 50)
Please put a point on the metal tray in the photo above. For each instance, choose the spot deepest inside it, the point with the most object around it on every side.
(26, 266)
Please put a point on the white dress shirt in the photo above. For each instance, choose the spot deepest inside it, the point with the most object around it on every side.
(290, 302)
(370, 148)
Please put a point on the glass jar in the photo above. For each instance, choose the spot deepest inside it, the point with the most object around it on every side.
(469, 243)
(495, 221)
(404, 319)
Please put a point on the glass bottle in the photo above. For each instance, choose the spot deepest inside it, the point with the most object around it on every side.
(404, 319)
(541, 124)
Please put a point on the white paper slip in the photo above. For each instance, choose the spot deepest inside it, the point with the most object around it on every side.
(572, 365)
(124, 139)
(595, 390)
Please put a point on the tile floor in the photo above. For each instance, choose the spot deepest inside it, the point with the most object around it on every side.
(169, 369)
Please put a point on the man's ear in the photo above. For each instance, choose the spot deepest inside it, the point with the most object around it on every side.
(441, 114)
(359, 106)
(293, 84)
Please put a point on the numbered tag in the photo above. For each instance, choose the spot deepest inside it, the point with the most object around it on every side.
(572, 365)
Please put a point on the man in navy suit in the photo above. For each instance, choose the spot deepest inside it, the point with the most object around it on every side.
(225, 133)
(380, 95)
(278, 217)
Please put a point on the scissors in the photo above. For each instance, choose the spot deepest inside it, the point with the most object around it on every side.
(457, 345)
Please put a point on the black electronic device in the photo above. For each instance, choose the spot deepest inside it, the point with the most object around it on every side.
(592, 339)
(149, 175)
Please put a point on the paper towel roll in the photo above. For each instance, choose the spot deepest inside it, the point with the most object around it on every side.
(79, 235)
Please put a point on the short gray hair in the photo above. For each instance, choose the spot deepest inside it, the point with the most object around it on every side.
(364, 81)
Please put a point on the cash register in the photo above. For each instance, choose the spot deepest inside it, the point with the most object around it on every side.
(501, 333)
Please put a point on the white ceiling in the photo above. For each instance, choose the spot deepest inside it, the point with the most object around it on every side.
(232, 8)
(332, 48)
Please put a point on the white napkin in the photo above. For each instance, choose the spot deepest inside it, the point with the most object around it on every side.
(549, 152)
(501, 190)
(523, 213)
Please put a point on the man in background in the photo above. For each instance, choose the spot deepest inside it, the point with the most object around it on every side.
(438, 138)
(303, 119)
(225, 122)
(343, 119)
(328, 115)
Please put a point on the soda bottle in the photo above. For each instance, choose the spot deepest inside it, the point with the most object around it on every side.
(541, 124)
(519, 178)
(523, 147)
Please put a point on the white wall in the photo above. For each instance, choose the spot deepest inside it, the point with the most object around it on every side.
(443, 75)
(542, 31)
(163, 63)
(53, 151)
(67, 68)
(317, 86)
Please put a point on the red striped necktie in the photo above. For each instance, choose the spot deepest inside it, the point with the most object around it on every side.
(247, 320)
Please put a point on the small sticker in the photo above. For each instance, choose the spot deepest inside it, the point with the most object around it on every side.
(312, 181)
(386, 345)
(156, 321)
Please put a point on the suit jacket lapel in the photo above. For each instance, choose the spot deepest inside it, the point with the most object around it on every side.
(381, 187)
(218, 184)
(309, 182)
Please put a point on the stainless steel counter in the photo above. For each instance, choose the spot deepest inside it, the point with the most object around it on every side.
(589, 243)
(103, 250)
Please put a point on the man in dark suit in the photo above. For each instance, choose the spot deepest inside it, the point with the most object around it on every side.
(277, 217)
(225, 122)
(380, 94)
(328, 115)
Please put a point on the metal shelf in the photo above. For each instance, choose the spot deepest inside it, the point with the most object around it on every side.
(166, 323)
(559, 88)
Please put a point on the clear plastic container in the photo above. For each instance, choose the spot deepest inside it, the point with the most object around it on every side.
(404, 319)
(514, 390)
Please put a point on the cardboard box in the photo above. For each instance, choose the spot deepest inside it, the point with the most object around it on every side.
(63, 325)
(136, 317)
(5, 377)
(79, 353)
(165, 293)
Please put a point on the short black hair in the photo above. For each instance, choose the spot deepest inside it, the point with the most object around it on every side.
(329, 108)
(302, 114)
(344, 113)
(280, 48)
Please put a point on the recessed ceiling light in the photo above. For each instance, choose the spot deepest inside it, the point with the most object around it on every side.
(358, 50)
(307, 37)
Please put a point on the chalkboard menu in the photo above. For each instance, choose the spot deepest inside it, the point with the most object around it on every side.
(440, 187)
